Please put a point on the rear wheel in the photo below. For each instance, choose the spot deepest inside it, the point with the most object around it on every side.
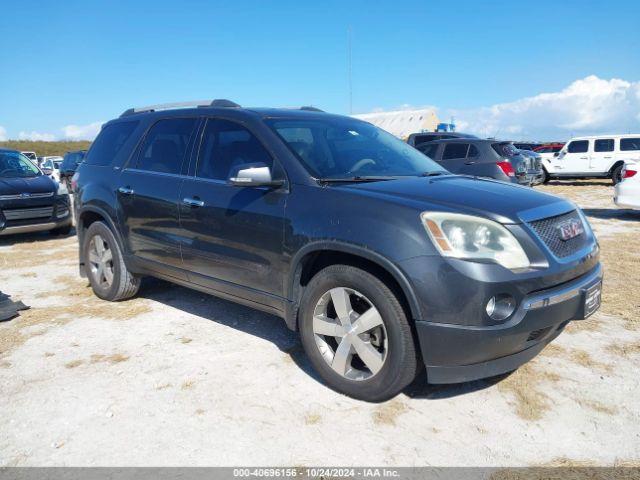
(616, 175)
(109, 277)
(356, 334)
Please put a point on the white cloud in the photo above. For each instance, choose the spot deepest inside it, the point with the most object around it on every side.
(82, 132)
(588, 106)
(3, 133)
(37, 136)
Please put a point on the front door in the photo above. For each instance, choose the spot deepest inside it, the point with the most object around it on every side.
(573, 159)
(233, 236)
(148, 195)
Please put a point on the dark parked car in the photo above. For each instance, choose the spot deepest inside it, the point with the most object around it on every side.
(485, 158)
(69, 166)
(379, 257)
(29, 200)
(416, 139)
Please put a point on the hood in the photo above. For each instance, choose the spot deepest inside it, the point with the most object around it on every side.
(499, 201)
(16, 186)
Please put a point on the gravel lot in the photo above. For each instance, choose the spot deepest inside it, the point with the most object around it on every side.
(175, 377)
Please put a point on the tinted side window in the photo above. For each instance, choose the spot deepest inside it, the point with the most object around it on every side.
(455, 150)
(473, 151)
(579, 146)
(604, 145)
(109, 142)
(165, 145)
(226, 147)
(627, 144)
(430, 150)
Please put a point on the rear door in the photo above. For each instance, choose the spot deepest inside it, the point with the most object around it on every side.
(233, 236)
(454, 157)
(148, 194)
(602, 156)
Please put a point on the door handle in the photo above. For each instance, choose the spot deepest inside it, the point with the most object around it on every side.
(584, 158)
(193, 202)
(469, 163)
(126, 190)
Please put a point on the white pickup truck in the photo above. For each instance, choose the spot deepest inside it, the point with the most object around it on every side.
(593, 157)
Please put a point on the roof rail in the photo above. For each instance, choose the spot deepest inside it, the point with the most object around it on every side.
(311, 109)
(219, 102)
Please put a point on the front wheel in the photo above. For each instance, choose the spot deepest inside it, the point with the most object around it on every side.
(109, 277)
(545, 176)
(356, 334)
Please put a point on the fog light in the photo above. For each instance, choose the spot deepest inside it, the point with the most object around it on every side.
(501, 307)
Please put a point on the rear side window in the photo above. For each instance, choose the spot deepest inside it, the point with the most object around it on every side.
(228, 146)
(429, 149)
(473, 151)
(455, 150)
(628, 144)
(505, 149)
(579, 146)
(109, 142)
(165, 145)
(603, 145)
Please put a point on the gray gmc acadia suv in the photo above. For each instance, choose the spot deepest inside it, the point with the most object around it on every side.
(383, 261)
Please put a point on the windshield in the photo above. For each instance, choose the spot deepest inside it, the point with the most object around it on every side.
(346, 148)
(16, 165)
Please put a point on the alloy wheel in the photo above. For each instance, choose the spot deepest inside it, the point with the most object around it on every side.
(350, 333)
(101, 261)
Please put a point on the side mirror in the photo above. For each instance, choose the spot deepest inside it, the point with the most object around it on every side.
(254, 175)
(556, 154)
(47, 171)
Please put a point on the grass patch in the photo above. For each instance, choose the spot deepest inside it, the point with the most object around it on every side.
(388, 413)
(524, 387)
(624, 349)
(312, 419)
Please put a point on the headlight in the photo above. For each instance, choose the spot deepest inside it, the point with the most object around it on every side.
(62, 190)
(474, 238)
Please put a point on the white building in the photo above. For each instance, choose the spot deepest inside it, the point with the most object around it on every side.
(403, 122)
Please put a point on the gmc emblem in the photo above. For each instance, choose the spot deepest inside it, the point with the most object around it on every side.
(570, 229)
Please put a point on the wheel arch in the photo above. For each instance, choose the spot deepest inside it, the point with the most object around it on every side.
(615, 165)
(314, 257)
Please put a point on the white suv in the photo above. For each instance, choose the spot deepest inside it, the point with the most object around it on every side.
(593, 157)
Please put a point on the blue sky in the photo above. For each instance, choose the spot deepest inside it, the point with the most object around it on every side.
(79, 62)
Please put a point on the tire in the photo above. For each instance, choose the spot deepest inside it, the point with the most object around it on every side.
(616, 175)
(545, 176)
(123, 284)
(66, 230)
(391, 340)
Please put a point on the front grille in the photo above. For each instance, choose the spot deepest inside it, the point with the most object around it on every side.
(23, 196)
(28, 213)
(547, 230)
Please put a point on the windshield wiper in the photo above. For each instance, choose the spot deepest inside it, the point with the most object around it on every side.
(434, 174)
(356, 179)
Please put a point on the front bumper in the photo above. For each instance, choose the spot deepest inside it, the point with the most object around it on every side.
(458, 353)
(58, 217)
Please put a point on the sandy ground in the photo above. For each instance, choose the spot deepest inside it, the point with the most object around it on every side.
(175, 377)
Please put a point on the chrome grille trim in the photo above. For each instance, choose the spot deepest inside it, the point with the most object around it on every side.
(20, 196)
